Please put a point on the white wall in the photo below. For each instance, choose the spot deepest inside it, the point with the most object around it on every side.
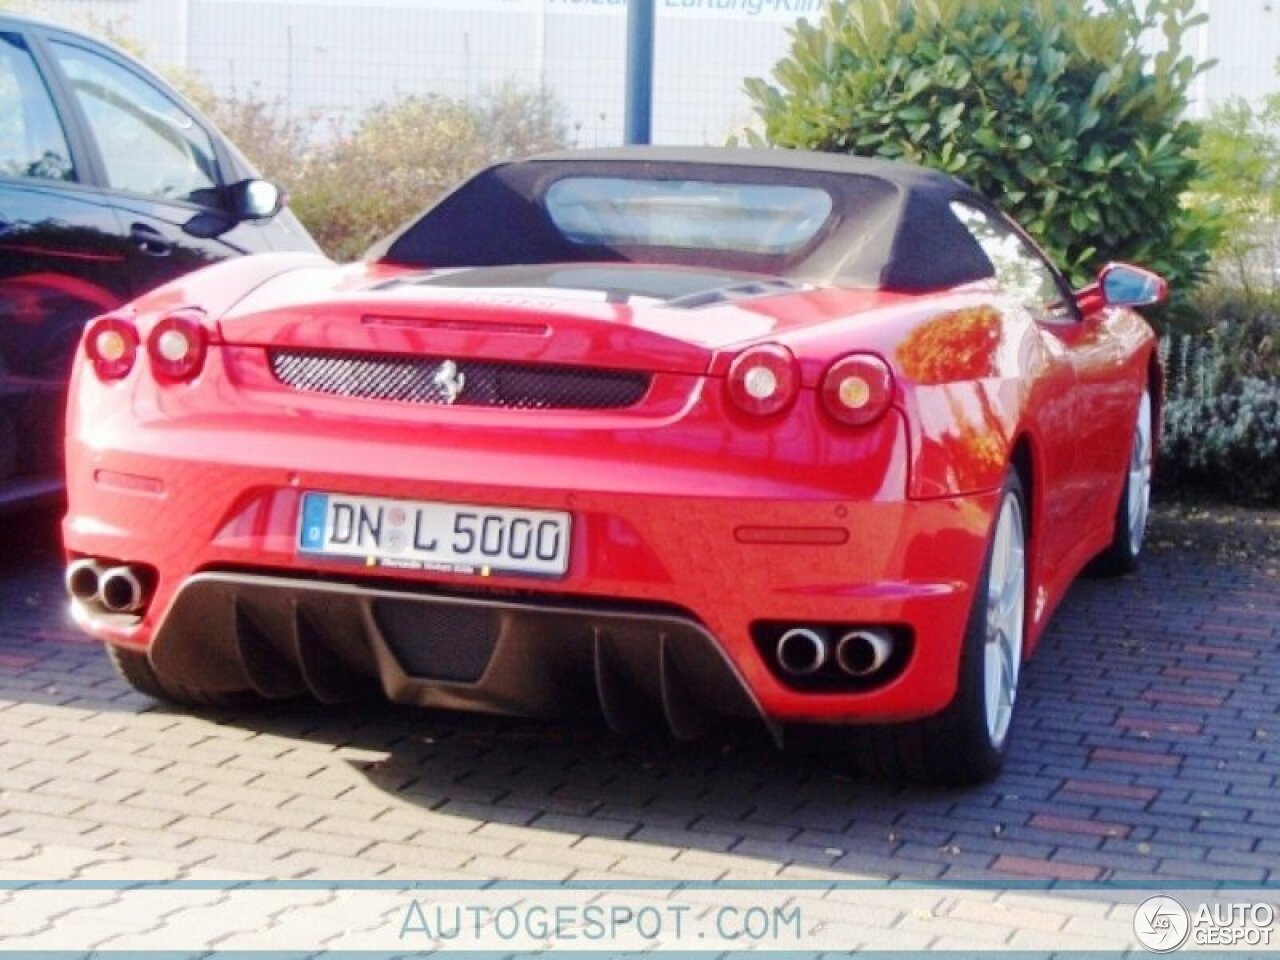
(1244, 37)
(336, 57)
(333, 58)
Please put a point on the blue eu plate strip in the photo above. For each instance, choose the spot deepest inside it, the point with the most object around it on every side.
(315, 510)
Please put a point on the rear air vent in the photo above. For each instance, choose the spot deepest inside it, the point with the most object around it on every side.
(464, 383)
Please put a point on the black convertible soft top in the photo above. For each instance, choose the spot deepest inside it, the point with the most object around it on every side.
(891, 226)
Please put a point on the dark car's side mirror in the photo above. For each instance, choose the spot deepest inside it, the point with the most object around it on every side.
(1124, 285)
(246, 200)
(255, 199)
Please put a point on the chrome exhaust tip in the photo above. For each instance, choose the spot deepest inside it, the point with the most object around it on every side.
(801, 651)
(120, 591)
(83, 579)
(860, 653)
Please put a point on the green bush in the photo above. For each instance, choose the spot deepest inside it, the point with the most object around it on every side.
(1221, 432)
(1050, 107)
(403, 155)
(277, 142)
(1240, 161)
(352, 188)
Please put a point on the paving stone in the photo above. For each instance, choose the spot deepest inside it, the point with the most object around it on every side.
(126, 815)
(471, 843)
(316, 841)
(646, 868)
(665, 836)
(29, 801)
(371, 830)
(22, 826)
(586, 826)
(58, 862)
(1026, 867)
(327, 866)
(219, 828)
(412, 855)
(572, 858)
(1147, 749)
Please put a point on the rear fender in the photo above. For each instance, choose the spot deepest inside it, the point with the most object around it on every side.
(965, 378)
(219, 287)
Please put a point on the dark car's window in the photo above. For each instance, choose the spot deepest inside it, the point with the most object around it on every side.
(32, 143)
(148, 143)
(756, 218)
(1020, 270)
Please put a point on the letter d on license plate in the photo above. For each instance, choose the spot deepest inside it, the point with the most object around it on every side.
(435, 536)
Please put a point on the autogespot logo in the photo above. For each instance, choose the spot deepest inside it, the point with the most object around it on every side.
(1161, 924)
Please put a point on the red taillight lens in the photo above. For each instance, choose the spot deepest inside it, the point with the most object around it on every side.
(111, 343)
(177, 346)
(764, 380)
(858, 389)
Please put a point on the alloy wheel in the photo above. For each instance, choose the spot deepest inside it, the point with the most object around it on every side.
(1139, 486)
(1006, 611)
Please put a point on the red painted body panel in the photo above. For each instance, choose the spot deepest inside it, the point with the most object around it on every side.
(660, 491)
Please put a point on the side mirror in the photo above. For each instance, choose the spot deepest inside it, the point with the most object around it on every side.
(1124, 285)
(255, 199)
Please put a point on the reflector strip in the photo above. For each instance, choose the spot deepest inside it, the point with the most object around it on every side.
(815, 536)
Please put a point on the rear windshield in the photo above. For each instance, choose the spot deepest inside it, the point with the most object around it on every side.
(771, 219)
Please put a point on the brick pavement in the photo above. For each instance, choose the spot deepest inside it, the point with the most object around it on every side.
(1148, 747)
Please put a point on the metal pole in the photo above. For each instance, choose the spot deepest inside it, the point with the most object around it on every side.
(639, 114)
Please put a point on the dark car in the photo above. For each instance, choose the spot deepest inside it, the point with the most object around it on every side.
(110, 184)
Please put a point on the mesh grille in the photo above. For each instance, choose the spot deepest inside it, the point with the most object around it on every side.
(470, 383)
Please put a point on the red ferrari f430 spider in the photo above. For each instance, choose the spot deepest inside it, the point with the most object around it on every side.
(664, 435)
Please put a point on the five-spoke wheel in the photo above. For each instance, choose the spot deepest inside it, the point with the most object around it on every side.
(1134, 508)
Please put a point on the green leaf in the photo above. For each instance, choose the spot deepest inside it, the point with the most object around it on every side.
(1053, 107)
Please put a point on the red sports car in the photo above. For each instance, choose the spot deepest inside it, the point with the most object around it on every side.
(666, 435)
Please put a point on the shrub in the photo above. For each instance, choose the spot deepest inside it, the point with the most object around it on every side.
(266, 131)
(1221, 432)
(350, 188)
(1240, 160)
(1050, 107)
(403, 155)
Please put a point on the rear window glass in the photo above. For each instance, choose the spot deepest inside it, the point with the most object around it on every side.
(691, 214)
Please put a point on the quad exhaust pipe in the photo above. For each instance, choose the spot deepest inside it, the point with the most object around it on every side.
(117, 589)
(860, 653)
(83, 577)
(120, 590)
(801, 651)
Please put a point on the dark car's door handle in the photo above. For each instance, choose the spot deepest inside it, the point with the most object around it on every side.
(150, 240)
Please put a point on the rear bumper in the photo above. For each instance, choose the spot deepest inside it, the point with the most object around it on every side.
(725, 524)
(283, 637)
(219, 594)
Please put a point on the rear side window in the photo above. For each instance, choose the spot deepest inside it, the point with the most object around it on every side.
(753, 218)
(32, 143)
(1019, 268)
(148, 143)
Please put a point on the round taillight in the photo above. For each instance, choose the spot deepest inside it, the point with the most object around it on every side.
(111, 343)
(177, 346)
(764, 380)
(858, 389)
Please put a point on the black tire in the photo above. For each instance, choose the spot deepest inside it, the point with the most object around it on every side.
(955, 747)
(135, 669)
(1122, 555)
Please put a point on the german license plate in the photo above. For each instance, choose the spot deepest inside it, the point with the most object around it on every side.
(451, 537)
